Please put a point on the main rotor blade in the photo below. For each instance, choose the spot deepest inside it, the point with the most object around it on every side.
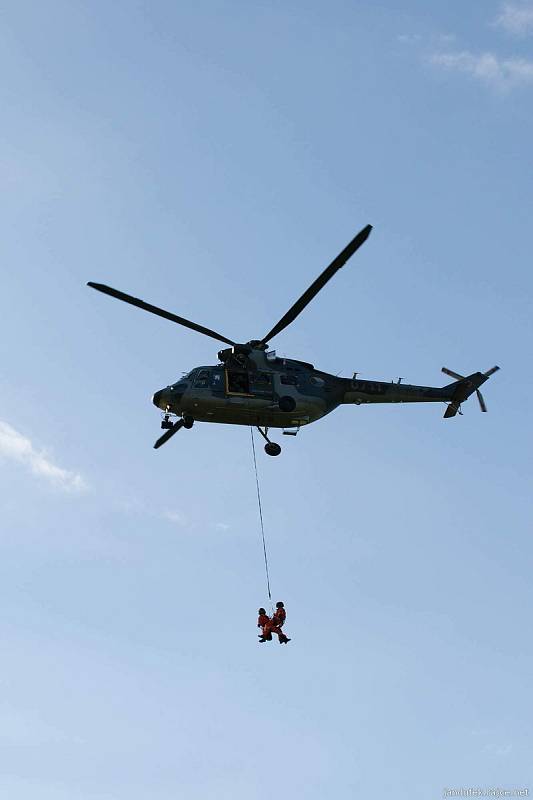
(135, 301)
(320, 282)
(166, 436)
(491, 371)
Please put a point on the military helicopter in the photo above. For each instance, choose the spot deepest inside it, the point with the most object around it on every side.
(252, 386)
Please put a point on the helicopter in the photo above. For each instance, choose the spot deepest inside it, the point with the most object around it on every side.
(252, 386)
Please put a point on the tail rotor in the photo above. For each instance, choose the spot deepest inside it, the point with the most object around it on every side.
(481, 400)
(464, 391)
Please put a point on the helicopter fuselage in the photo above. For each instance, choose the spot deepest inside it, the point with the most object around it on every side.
(263, 390)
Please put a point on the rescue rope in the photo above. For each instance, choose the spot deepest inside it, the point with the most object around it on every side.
(260, 513)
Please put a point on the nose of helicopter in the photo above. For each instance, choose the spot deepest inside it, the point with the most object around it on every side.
(158, 399)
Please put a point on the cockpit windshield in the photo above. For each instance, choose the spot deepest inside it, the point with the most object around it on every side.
(185, 376)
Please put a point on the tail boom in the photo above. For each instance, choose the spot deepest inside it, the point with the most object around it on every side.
(362, 392)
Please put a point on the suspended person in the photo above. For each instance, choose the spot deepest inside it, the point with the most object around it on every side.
(262, 621)
(275, 625)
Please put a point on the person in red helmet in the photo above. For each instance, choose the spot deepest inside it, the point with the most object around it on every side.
(275, 625)
(262, 622)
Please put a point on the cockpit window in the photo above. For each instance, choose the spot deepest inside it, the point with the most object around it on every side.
(201, 380)
(186, 376)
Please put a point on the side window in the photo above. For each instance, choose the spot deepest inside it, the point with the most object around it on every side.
(289, 380)
(201, 380)
(260, 379)
(261, 383)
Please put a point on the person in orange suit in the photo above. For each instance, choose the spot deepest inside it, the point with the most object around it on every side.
(262, 622)
(275, 625)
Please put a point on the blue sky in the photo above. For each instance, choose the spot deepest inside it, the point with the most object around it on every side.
(213, 158)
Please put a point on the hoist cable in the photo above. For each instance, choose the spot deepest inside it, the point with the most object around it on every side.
(260, 513)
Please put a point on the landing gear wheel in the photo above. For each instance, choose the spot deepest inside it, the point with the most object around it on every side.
(188, 422)
(272, 449)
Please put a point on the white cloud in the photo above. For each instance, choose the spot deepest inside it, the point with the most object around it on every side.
(440, 39)
(516, 18)
(446, 38)
(499, 73)
(500, 750)
(16, 447)
(174, 516)
(409, 38)
(222, 526)
(492, 745)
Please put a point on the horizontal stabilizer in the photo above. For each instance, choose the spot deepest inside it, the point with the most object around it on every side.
(451, 411)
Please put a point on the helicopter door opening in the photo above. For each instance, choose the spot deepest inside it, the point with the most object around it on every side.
(237, 382)
(249, 384)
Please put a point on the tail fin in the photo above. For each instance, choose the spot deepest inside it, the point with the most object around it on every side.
(464, 387)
